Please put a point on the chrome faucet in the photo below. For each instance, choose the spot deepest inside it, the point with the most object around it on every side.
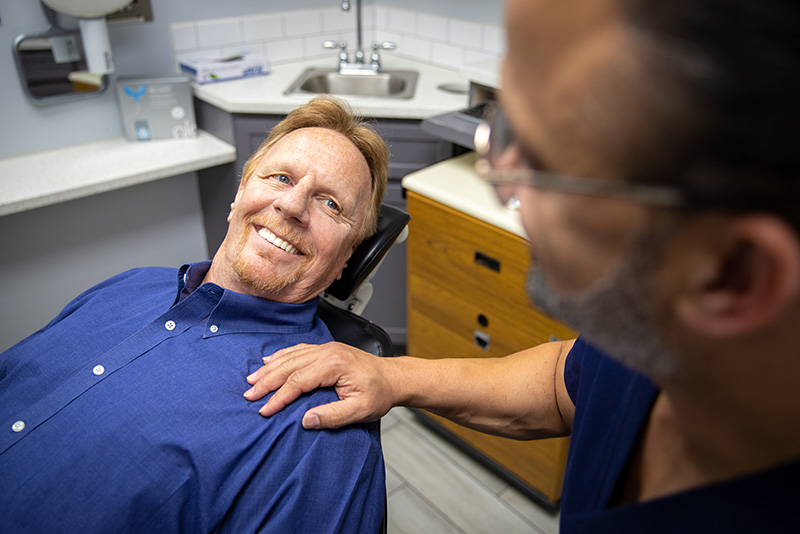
(357, 65)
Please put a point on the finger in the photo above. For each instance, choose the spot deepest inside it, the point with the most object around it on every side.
(334, 415)
(277, 358)
(295, 370)
(287, 351)
(295, 385)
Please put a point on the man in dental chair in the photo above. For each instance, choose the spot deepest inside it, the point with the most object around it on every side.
(100, 429)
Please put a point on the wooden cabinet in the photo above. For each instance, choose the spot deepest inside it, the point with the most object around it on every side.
(466, 299)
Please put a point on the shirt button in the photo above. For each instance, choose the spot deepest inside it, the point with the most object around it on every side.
(19, 426)
(98, 370)
(170, 325)
(214, 329)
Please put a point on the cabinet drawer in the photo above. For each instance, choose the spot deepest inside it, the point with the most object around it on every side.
(485, 332)
(478, 263)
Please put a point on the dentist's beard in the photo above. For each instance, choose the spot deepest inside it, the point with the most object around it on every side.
(613, 314)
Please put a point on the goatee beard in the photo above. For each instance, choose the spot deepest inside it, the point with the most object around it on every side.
(614, 314)
(252, 275)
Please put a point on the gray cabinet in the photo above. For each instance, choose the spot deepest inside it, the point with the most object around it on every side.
(411, 149)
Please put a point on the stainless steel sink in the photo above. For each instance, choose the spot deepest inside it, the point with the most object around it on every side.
(388, 84)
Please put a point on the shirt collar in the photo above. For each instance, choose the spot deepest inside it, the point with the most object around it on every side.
(237, 313)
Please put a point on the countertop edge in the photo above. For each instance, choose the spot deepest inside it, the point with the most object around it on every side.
(455, 184)
(93, 168)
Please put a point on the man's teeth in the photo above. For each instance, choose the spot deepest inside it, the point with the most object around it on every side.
(277, 241)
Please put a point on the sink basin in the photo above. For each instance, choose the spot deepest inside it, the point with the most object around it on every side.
(388, 84)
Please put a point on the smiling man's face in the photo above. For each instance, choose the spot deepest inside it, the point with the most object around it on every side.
(295, 220)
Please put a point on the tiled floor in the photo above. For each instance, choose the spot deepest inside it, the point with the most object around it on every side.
(435, 488)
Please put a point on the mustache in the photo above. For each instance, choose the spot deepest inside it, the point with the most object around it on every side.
(282, 230)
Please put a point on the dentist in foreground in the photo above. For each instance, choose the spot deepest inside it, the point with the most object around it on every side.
(654, 155)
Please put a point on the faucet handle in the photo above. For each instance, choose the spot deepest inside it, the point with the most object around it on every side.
(375, 57)
(386, 45)
(341, 46)
(334, 44)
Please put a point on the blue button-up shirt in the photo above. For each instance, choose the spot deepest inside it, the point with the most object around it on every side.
(126, 414)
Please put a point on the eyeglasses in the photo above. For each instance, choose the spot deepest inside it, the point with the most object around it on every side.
(503, 164)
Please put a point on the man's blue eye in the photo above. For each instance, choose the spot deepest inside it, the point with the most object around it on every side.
(332, 205)
(282, 178)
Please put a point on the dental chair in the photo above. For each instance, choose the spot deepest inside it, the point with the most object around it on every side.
(342, 303)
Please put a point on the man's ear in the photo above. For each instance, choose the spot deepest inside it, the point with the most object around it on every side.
(339, 276)
(748, 280)
(352, 249)
(235, 199)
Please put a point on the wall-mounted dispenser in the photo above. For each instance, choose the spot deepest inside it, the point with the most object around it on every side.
(91, 15)
(53, 64)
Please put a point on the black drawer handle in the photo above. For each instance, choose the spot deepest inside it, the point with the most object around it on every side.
(487, 261)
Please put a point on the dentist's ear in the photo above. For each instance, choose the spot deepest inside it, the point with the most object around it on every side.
(748, 282)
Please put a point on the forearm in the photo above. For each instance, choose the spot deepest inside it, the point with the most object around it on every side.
(520, 396)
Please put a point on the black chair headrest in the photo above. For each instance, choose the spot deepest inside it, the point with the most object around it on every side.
(370, 252)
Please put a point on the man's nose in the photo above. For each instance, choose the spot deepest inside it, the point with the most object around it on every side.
(293, 203)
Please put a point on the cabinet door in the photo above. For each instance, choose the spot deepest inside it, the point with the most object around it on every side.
(466, 299)
(411, 148)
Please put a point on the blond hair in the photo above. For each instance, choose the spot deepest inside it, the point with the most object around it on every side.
(334, 114)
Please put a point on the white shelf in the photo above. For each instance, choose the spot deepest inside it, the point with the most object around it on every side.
(45, 178)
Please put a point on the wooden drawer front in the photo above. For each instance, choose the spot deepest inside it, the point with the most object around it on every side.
(443, 245)
(485, 333)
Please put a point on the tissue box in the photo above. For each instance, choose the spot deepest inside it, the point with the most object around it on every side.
(207, 70)
(156, 108)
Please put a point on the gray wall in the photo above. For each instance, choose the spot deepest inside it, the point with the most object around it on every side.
(51, 254)
(484, 11)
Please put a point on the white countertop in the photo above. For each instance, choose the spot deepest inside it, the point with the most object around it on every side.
(264, 94)
(453, 182)
(53, 176)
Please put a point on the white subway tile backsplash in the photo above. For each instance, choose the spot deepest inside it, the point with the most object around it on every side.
(184, 36)
(432, 27)
(219, 32)
(336, 20)
(258, 49)
(402, 20)
(494, 40)
(463, 33)
(292, 35)
(447, 55)
(417, 48)
(286, 50)
(313, 48)
(380, 16)
(263, 28)
(300, 23)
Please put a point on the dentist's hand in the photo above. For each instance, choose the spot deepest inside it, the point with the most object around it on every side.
(362, 381)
